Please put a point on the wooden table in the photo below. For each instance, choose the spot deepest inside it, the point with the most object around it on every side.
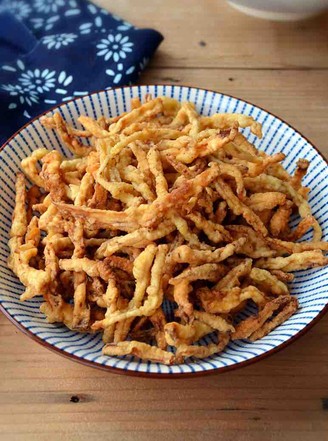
(282, 67)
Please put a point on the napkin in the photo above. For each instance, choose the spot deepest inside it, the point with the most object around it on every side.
(54, 50)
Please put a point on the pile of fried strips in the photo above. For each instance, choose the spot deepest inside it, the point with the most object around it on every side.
(162, 206)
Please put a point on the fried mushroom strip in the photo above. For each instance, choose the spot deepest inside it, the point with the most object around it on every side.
(294, 262)
(185, 351)
(186, 254)
(154, 294)
(67, 134)
(229, 300)
(29, 166)
(270, 183)
(21, 252)
(256, 327)
(51, 175)
(177, 334)
(140, 350)
(238, 207)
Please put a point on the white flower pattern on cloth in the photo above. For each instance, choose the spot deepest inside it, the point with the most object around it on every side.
(115, 47)
(47, 6)
(42, 81)
(96, 24)
(119, 73)
(46, 23)
(32, 85)
(24, 94)
(19, 8)
(56, 41)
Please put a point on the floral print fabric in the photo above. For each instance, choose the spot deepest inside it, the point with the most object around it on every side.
(54, 50)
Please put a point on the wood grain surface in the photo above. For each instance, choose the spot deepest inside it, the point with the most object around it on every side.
(284, 68)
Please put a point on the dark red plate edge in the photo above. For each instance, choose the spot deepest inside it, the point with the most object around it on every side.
(153, 374)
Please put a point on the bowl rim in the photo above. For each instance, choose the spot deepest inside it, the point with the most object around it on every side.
(154, 375)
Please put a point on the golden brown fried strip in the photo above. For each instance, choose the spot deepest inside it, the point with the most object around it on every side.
(226, 120)
(33, 196)
(85, 190)
(140, 239)
(254, 327)
(279, 221)
(262, 165)
(93, 127)
(158, 320)
(270, 183)
(231, 171)
(227, 300)
(304, 225)
(36, 281)
(185, 351)
(99, 197)
(281, 275)
(154, 291)
(51, 174)
(181, 291)
(19, 218)
(268, 282)
(141, 350)
(207, 146)
(120, 262)
(111, 299)
(280, 318)
(90, 267)
(232, 279)
(207, 271)
(62, 314)
(155, 166)
(183, 228)
(177, 334)
(81, 313)
(263, 201)
(143, 165)
(67, 134)
(255, 246)
(214, 321)
(238, 207)
(29, 166)
(298, 247)
(214, 231)
(76, 164)
(133, 175)
(300, 172)
(117, 220)
(221, 212)
(185, 254)
(295, 262)
(140, 113)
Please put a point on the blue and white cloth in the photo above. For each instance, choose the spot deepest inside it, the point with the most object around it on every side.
(55, 50)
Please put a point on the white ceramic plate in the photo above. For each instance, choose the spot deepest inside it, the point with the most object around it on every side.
(309, 286)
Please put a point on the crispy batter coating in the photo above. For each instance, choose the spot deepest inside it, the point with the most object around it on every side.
(185, 351)
(177, 334)
(138, 349)
(260, 325)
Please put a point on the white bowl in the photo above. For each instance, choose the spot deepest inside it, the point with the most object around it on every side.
(309, 286)
(280, 10)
